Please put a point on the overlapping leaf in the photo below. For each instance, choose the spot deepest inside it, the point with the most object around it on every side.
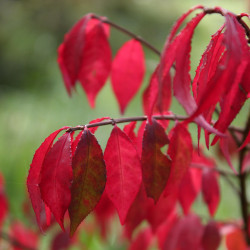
(56, 177)
(33, 179)
(127, 72)
(180, 151)
(123, 172)
(89, 179)
(155, 164)
(210, 190)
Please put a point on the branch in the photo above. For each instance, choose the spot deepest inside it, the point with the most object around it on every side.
(129, 33)
(171, 117)
(243, 187)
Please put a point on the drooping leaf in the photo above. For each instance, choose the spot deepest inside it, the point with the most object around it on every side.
(104, 212)
(235, 240)
(89, 179)
(127, 72)
(56, 177)
(129, 130)
(180, 151)
(185, 234)
(75, 142)
(137, 212)
(24, 236)
(211, 238)
(70, 53)
(229, 69)
(33, 179)
(142, 240)
(96, 62)
(189, 188)
(155, 164)
(210, 190)
(123, 172)
(152, 92)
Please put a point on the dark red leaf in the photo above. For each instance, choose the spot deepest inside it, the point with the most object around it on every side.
(56, 177)
(75, 142)
(33, 179)
(123, 172)
(180, 151)
(155, 164)
(89, 179)
(127, 72)
(210, 190)
(140, 137)
(61, 241)
(129, 130)
(96, 62)
(211, 238)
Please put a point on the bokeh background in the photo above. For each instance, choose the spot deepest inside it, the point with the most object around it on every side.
(33, 101)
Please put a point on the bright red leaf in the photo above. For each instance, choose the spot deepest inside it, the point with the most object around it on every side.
(127, 72)
(56, 177)
(89, 179)
(123, 172)
(33, 179)
(155, 164)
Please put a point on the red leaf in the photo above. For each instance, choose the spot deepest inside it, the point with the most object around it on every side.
(26, 237)
(33, 179)
(137, 212)
(185, 234)
(142, 240)
(127, 72)
(56, 177)
(210, 190)
(189, 188)
(104, 212)
(224, 146)
(155, 164)
(129, 130)
(229, 69)
(70, 53)
(236, 240)
(75, 142)
(180, 151)
(96, 62)
(211, 238)
(123, 172)
(151, 93)
(4, 206)
(89, 178)
(61, 241)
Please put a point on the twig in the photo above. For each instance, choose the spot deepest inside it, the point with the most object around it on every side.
(129, 33)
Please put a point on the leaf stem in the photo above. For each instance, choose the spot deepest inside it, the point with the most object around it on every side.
(129, 33)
